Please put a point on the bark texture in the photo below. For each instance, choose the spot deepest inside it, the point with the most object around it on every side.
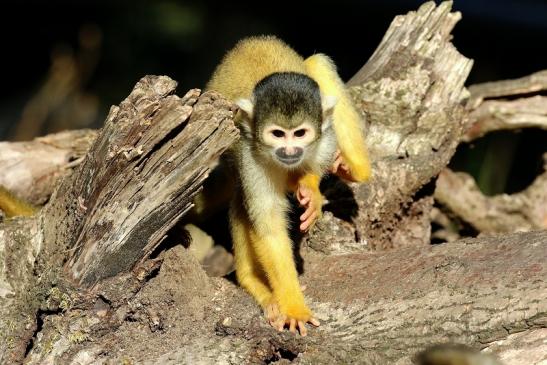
(138, 179)
(375, 308)
(411, 92)
(523, 211)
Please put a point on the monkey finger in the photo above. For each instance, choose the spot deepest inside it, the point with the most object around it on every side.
(272, 313)
(304, 200)
(292, 326)
(302, 328)
(345, 167)
(312, 216)
(303, 193)
(315, 322)
(334, 167)
(308, 221)
(309, 211)
(338, 160)
(279, 324)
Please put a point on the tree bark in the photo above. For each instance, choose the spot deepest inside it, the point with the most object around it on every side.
(137, 179)
(79, 285)
(491, 111)
(411, 92)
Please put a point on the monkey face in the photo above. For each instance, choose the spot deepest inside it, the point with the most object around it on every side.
(288, 146)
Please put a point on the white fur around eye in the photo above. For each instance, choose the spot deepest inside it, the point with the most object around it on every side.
(270, 139)
(308, 137)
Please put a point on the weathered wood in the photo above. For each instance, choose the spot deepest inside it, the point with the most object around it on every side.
(473, 291)
(20, 245)
(497, 89)
(411, 93)
(138, 178)
(496, 115)
(522, 211)
(31, 170)
(491, 110)
(375, 308)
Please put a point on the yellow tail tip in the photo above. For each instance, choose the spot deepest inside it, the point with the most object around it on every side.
(12, 206)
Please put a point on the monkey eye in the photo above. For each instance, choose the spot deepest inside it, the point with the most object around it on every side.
(300, 133)
(278, 133)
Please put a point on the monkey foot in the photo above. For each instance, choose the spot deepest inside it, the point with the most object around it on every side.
(312, 202)
(279, 321)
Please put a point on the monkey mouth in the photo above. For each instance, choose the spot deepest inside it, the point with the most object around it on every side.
(289, 161)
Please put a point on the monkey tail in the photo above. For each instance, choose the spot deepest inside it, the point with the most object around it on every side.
(12, 206)
(347, 120)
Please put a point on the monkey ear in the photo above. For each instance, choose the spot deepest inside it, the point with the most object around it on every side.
(246, 106)
(328, 102)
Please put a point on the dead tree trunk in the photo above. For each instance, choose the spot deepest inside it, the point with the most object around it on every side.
(411, 92)
(78, 286)
(137, 179)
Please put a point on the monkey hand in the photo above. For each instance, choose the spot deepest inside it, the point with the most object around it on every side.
(295, 318)
(340, 168)
(312, 201)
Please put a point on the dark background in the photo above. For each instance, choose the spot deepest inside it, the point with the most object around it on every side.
(65, 62)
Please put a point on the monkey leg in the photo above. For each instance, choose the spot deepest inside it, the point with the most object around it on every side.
(309, 197)
(272, 247)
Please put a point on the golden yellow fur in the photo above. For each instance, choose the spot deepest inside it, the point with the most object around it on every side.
(250, 61)
(12, 206)
(347, 122)
(254, 58)
(263, 254)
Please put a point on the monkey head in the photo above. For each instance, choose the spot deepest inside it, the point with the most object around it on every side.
(287, 119)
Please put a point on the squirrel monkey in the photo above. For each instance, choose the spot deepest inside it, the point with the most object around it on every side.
(297, 122)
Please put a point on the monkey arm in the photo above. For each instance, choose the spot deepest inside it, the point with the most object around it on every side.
(273, 250)
(250, 274)
(347, 122)
(258, 211)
